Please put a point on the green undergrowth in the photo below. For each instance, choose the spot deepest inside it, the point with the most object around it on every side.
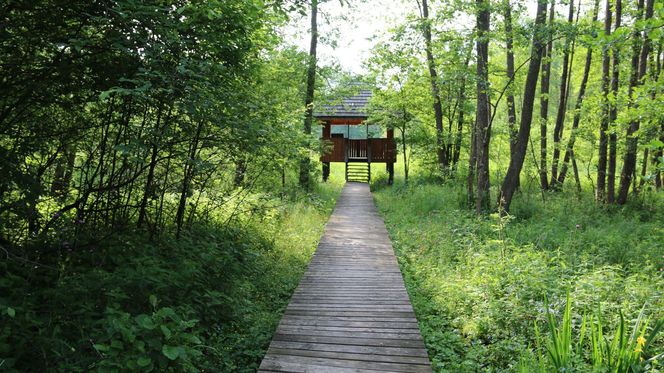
(207, 302)
(484, 288)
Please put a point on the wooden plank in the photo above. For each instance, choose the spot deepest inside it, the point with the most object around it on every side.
(341, 363)
(392, 351)
(351, 311)
(350, 356)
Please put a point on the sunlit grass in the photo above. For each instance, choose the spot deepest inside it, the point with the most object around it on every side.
(478, 285)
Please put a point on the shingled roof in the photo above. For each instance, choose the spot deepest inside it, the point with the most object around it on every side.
(349, 107)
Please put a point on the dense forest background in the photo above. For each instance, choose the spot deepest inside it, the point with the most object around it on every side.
(159, 197)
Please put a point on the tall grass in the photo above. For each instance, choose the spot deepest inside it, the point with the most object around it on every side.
(478, 284)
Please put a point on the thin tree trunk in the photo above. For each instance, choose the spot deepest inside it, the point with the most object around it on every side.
(186, 179)
(149, 183)
(577, 180)
(462, 103)
(644, 167)
(578, 106)
(516, 163)
(443, 160)
(405, 156)
(562, 100)
(613, 114)
(305, 163)
(240, 172)
(511, 106)
(606, 105)
(472, 165)
(483, 132)
(659, 154)
(640, 51)
(544, 101)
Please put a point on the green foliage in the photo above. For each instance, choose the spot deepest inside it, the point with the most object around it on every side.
(478, 284)
(147, 342)
(210, 301)
(625, 353)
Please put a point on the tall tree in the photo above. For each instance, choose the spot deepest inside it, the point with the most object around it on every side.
(640, 51)
(443, 160)
(510, 182)
(579, 103)
(613, 113)
(509, 64)
(305, 163)
(483, 115)
(606, 108)
(568, 55)
(544, 100)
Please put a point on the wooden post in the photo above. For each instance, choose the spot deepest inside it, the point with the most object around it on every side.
(368, 154)
(327, 136)
(390, 156)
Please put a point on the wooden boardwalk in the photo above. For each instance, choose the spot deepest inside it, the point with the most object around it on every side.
(351, 312)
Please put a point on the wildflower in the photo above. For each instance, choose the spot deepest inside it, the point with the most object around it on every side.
(640, 341)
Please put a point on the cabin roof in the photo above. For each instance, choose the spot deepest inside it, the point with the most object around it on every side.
(353, 107)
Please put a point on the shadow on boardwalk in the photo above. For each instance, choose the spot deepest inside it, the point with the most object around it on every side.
(351, 312)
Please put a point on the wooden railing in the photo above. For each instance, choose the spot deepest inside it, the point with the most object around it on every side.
(357, 149)
(374, 150)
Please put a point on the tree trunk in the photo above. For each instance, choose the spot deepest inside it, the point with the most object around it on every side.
(456, 152)
(562, 100)
(577, 180)
(578, 106)
(516, 163)
(544, 101)
(443, 160)
(188, 175)
(405, 156)
(511, 106)
(640, 51)
(659, 154)
(472, 165)
(149, 191)
(613, 114)
(483, 115)
(604, 124)
(305, 163)
(644, 167)
(240, 172)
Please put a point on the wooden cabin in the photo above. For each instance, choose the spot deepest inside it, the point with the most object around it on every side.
(345, 141)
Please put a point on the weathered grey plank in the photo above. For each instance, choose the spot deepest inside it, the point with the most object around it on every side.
(351, 311)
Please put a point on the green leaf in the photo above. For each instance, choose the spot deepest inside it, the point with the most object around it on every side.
(145, 322)
(166, 331)
(100, 347)
(153, 300)
(655, 144)
(171, 352)
(11, 312)
(144, 361)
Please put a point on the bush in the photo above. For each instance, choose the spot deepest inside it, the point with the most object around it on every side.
(209, 301)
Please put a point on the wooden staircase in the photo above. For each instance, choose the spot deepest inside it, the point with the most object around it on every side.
(358, 170)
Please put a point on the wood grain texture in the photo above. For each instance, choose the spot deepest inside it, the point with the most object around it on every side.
(351, 311)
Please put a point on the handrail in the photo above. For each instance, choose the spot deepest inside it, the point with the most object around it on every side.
(381, 150)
